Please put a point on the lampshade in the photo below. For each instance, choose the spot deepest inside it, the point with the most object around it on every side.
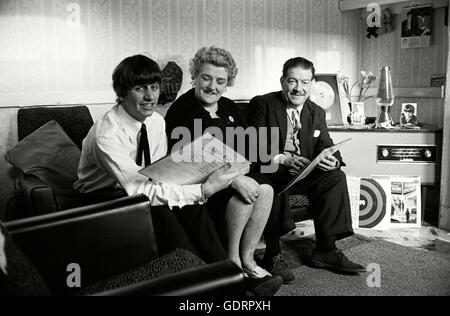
(385, 94)
(385, 99)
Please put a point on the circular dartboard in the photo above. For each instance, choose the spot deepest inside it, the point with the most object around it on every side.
(372, 203)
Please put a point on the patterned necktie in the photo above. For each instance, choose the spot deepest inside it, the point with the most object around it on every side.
(295, 121)
(143, 148)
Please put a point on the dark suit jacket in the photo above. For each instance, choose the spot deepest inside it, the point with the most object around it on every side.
(269, 110)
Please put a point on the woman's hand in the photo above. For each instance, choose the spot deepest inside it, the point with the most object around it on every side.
(247, 188)
(219, 180)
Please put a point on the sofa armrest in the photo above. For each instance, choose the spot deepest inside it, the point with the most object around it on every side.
(38, 196)
(222, 278)
(104, 239)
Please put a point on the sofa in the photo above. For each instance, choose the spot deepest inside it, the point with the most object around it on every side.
(45, 185)
(91, 250)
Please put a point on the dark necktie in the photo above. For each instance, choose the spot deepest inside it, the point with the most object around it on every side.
(143, 148)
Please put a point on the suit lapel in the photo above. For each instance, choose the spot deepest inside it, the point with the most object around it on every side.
(280, 113)
(305, 132)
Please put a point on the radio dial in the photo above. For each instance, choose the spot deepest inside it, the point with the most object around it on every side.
(427, 153)
(385, 152)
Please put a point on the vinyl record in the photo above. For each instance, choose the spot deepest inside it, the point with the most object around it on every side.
(322, 94)
(372, 207)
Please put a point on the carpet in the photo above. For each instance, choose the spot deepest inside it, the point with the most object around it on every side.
(403, 271)
(297, 251)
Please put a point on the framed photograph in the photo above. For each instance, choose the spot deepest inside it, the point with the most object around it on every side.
(325, 93)
(406, 202)
(358, 117)
(408, 116)
(417, 27)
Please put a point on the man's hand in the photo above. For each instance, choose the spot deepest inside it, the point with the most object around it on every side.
(219, 180)
(247, 187)
(328, 163)
(294, 164)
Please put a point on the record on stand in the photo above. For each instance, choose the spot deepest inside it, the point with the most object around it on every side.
(322, 94)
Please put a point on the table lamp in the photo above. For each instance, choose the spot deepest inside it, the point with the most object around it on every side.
(385, 99)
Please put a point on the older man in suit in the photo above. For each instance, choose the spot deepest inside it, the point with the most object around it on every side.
(303, 134)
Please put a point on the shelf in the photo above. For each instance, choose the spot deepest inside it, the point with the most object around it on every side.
(345, 5)
(371, 129)
(415, 92)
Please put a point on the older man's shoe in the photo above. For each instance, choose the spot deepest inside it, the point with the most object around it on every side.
(334, 261)
(277, 266)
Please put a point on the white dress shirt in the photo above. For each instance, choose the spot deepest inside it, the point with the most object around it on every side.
(108, 160)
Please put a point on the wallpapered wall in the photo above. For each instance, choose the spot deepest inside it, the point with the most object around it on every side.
(44, 48)
(50, 53)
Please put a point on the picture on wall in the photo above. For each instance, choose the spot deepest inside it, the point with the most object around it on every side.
(416, 27)
(325, 93)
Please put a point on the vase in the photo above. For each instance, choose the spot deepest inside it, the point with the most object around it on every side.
(356, 115)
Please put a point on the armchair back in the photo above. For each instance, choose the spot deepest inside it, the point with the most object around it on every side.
(117, 234)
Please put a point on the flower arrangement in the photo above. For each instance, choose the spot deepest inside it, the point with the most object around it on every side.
(363, 85)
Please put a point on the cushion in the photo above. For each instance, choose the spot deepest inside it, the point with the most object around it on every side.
(176, 261)
(49, 154)
(171, 83)
(298, 200)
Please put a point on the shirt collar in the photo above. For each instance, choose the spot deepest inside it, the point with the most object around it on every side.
(129, 123)
(290, 109)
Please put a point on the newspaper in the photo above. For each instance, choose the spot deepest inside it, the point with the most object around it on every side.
(313, 164)
(194, 162)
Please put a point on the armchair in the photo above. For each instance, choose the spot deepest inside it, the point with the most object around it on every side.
(113, 259)
(36, 195)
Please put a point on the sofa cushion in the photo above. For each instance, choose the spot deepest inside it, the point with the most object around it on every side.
(171, 82)
(49, 154)
(176, 261)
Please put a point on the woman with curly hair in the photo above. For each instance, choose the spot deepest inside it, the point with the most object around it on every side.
(240, 211)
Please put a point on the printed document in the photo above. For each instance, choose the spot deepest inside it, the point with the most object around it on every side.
(194, 162)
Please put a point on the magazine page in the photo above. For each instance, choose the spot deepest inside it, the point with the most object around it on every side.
(194, 162)
(406, 202)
